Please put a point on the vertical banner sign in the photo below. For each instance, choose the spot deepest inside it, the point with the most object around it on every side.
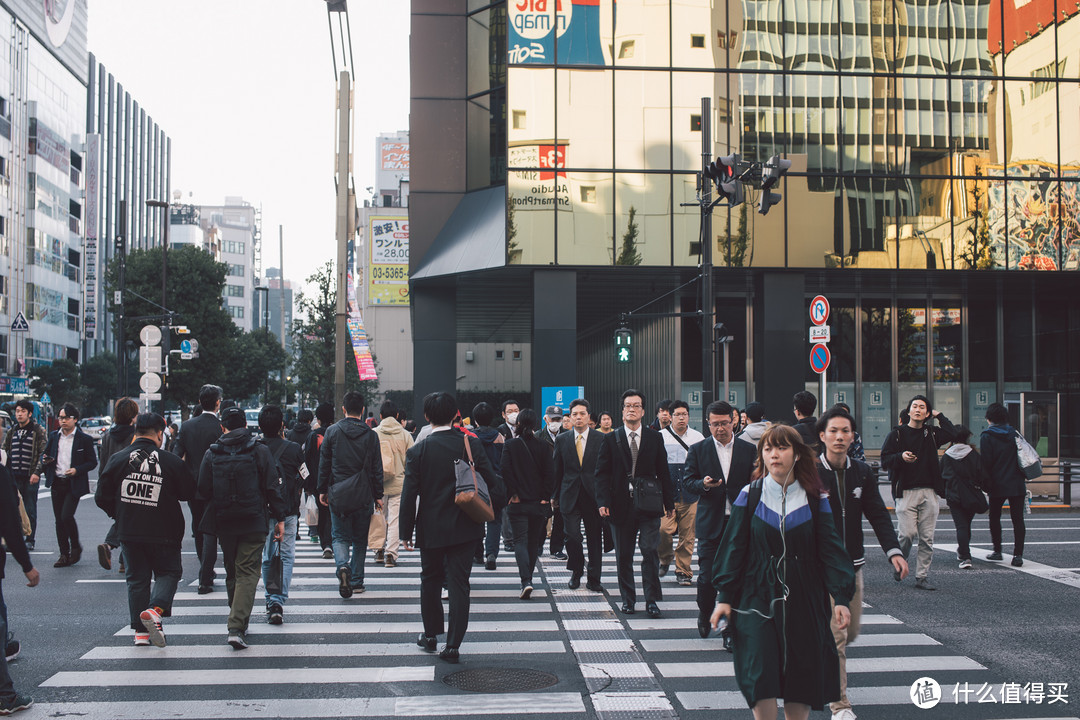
(388, 268)
(365, 365)
(90, 232)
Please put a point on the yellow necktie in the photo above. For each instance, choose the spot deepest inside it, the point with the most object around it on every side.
(580, 449)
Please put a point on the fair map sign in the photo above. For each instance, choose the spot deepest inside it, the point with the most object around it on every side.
(388, 269)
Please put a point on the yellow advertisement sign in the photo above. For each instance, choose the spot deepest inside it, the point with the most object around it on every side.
(388, 268)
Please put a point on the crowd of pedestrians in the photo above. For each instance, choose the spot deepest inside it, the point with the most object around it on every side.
(755, 498)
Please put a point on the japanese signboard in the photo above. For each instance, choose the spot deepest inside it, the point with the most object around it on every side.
(388, 266)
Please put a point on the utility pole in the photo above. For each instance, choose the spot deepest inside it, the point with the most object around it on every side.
(343, 172)
(120, 257)
(281, 297)
(708, 376)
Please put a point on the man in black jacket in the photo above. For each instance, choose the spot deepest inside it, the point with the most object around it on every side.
(717, 468)
(141, 488)
(853, 493)
(239, 482)
(445, 535)
(196, 435)
(69, 457)
(629, 453)
(910, 454)
(576, 453)
(25, 445)
(804, 404)
(11, 531)
(290, 463)
(350, 481)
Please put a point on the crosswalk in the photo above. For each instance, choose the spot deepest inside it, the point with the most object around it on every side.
(335, 658)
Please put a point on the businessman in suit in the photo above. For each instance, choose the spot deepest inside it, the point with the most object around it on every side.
(717, 468)
(445, 535)
(576, 453)
(196, 436)
(630, 452)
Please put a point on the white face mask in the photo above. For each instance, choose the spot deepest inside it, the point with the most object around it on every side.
(554, 427)
(511, 419)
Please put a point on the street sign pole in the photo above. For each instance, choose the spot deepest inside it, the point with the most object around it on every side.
(819, 315)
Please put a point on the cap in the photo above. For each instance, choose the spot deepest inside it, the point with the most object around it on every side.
(231, 412)
(553, 411)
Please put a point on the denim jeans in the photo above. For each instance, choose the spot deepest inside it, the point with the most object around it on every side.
(351, 533)
(288, 555)
(163, 563)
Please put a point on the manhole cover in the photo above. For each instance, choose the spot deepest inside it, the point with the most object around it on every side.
(500, 680)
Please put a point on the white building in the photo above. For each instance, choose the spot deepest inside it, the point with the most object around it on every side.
(236, 229)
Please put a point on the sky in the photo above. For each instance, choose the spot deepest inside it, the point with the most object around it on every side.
(245, 89)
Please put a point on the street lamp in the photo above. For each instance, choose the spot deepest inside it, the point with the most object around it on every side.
(164, 205)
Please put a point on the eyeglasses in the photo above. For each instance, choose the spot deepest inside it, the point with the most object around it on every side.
(721, 424)
(635, 406)
(65, 417)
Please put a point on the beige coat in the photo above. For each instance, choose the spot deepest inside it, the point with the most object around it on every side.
(395, 441)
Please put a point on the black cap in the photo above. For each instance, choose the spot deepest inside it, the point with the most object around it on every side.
(229, 418)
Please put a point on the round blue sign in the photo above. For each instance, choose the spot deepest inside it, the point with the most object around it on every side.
(185, 346)
(819, 358)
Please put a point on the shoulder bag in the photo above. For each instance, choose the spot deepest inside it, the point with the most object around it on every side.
(471, 490)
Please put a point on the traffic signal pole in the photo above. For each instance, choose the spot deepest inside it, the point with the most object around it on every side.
(708, 364)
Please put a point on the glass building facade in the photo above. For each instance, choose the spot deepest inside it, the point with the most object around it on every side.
(933, 194)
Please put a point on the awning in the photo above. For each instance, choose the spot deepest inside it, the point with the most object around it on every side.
(474, 238)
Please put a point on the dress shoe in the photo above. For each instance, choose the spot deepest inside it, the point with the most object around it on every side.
(653, 610)
(76, 554)
(924, 584)
(206, 589)
(704, 624)
(425, 643)
(664, 570)
(627, 609)
(575, 581)
(1017, 561)
(996, 555)
(449, 654)
(64, 561)
(489, 563)
(594, 585)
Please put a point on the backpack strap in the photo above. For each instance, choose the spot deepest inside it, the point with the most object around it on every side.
(677, 438)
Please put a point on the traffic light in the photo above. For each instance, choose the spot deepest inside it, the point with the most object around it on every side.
(725, 172)
(623, 352)
(774, 169)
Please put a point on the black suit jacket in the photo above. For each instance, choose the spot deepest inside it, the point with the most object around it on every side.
(702, 461)
(83, 459)
(576, 481)
(429, 475)
(613, 472)
(196, 436)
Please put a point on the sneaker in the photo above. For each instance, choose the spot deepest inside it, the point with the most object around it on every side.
(489, 563)
(559, 555)
(445, 594)
(327, 554)
(380, 556)
(996, 555)
(359, 589)
(11, 651)
(391, 561)
(104, 556)
(29, 544)
(275, 614)
(844, 714)
(526, 592)
(965, 564)
(314, 538)
(238, 641)
(142, 639)
(21, 702)
(344, 589)
(151, 620)
(1017, 561)
(684, 579)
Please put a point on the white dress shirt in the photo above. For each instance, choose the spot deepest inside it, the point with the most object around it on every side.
(676, 453)
(63, 453)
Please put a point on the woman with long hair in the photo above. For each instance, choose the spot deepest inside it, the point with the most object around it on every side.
(527, 470)
(781, 559)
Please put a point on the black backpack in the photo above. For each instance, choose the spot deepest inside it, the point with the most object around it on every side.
(237, 494)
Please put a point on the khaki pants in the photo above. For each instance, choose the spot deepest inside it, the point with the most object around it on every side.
(683, 523)
(844, 638)
(916, 516)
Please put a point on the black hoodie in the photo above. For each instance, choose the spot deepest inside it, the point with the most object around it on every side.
(118, 438)
(349, 446)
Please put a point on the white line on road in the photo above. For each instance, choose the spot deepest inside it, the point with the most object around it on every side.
(864, 640)
(854, 665)
(221, 676)
(1046, 572)
(323, 650)
(351, 608)
(363, 628)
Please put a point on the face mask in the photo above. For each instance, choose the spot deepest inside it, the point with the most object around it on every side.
(554, 427)
(511, 419)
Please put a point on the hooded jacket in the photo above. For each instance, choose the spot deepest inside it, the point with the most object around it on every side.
(1005, 479)
(299, 433)
(394, 442)
(269, 483)
(11, 526)
(962, 471)
(348, 447)
(118, 438)
(141, 488)
(752, 433)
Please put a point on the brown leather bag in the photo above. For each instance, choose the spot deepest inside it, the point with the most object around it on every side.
(470, 490)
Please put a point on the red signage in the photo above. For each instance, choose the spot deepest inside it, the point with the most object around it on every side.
(552, 157)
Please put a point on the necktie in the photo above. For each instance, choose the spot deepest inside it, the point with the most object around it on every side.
(580, 449)
(633, 453)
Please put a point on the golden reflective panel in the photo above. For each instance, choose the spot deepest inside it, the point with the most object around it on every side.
(584, 215)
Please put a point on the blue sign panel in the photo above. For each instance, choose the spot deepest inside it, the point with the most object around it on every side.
(560, 396)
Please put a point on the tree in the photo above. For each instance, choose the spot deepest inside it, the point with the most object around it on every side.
(99, 382)
(313, 338)
(195, 285)
(629, 254)
(977, 252)
(60, 380)
(262, 355)
(734, 250)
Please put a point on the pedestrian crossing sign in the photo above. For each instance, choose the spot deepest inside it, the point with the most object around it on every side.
(19, 324)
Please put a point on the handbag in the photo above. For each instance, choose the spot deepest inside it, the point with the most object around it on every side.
(470, 490)
(1028, 458)
(275, 575)
(311, 512)
(648, 497)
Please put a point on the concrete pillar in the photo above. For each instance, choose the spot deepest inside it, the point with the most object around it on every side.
(554, 348)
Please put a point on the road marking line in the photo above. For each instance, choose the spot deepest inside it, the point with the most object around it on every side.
(854, 665)
(221, 676)
(342, 628)
(276, 651)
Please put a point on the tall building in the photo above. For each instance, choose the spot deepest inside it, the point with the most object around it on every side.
(557, 149)
(235, 228)
(382, 263)
(270, 316)
(128, 162)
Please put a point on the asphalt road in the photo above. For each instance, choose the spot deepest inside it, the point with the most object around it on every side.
(987, 628)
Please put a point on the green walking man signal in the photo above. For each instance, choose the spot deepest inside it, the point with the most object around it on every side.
(622, 345)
